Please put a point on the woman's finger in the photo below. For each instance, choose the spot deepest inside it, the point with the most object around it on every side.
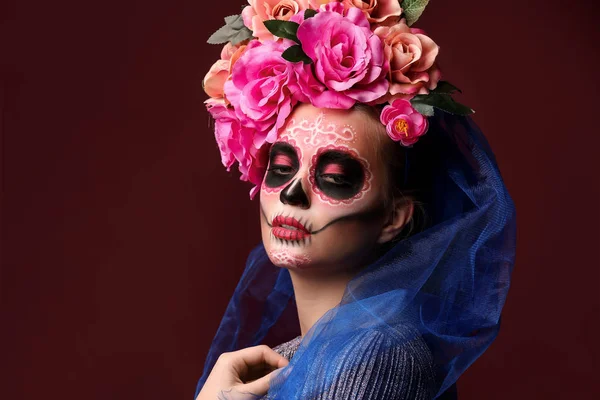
(260, 386)
(243, 360)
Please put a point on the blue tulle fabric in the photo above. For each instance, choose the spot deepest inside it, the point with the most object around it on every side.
(447, 283)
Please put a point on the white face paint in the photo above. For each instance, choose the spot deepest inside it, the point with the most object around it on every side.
(321, 198)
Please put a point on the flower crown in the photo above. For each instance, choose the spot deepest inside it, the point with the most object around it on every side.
(332, 54)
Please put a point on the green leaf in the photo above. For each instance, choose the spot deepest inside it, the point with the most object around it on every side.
(283, 29)
(233, 31)
(442, 101)
(235, 21)
(446, 87)
(424, 109)
(412, 10)
(242, 34)
(309, 13)
(296, 54)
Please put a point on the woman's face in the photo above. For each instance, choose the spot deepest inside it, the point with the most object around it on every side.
(321, 200)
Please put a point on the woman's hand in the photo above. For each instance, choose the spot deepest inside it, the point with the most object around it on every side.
(242, 374)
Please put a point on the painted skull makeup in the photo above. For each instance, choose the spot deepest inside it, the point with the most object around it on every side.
(283, 165)
(337, 173)
(318, 199)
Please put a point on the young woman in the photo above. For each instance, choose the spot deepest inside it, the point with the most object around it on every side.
(394, 248)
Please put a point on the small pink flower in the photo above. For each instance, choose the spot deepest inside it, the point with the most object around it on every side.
(403, 123)
(411, 55)
(349, 61)
(236, 143)
(259, 11)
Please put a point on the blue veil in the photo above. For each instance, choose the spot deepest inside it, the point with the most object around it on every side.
(448, 282)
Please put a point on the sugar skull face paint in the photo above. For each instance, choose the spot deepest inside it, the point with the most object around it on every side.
(339, 175)
(283, 165)
(321, 199)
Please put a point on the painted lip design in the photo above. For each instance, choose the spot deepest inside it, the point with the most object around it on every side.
(288, 228)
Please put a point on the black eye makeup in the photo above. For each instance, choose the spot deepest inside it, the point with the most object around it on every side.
(283, 165)
(339, 175)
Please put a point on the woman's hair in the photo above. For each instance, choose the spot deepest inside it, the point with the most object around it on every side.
(402, 181)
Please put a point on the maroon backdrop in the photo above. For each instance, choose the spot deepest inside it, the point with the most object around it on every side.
(123, 237)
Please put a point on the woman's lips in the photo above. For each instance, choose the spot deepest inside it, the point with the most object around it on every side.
(288, 228)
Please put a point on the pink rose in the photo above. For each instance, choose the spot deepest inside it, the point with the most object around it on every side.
(262, 10)
(236, 143)
(378, 11)
(348, 59)
(263, 89)
(221, 70)
(411, 55)
(403, 123)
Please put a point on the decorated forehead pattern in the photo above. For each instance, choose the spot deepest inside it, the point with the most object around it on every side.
(316, 132)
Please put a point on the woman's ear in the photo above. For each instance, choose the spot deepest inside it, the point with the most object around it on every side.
(400, 215)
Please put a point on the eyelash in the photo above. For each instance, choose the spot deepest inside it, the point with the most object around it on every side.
(281, 170)
(335, 179)
(332, 179)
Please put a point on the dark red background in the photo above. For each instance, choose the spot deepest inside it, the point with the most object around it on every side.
(123, 237)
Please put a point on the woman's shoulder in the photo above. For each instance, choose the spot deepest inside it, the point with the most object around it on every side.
(404, 339)
(289, 348)
(381, 363)
(380, 342)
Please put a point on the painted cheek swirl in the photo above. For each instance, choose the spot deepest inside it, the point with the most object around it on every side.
(338, 175)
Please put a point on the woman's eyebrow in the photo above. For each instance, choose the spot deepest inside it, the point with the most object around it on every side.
(336, 156)
(285, 148)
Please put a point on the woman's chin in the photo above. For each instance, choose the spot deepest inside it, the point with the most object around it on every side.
(289, 258)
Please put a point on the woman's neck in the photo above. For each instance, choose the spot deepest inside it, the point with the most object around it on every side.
(316, 294)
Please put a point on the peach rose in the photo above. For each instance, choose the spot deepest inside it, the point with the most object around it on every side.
(411, 55)
(221, 71)
(262, 10)
(215, 79)
(227, 51)
(315, 4)
(380, 12)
